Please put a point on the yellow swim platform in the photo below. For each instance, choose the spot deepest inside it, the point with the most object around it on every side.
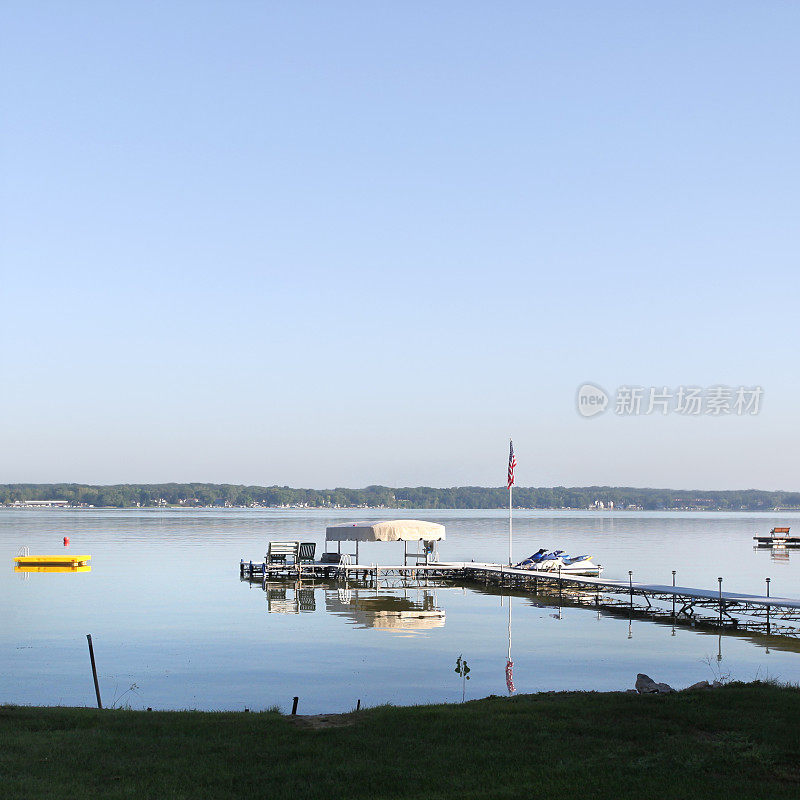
(65, 560)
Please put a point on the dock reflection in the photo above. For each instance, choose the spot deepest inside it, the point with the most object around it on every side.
(778, 553)
(286, 598)
(409, 610)
(402, 608)
(27, 568)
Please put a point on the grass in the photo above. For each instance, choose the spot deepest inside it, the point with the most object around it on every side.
(739, 741)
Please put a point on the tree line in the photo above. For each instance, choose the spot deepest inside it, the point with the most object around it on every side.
(230, 495)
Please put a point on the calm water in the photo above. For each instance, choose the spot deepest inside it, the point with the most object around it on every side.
(168, 613)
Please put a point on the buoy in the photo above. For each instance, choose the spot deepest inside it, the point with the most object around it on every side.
(66, 541)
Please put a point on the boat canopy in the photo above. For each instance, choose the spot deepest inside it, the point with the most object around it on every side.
(397, 530)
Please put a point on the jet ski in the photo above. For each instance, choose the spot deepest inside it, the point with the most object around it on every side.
(531, 561)
(558, 560)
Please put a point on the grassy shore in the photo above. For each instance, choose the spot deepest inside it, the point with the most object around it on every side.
(740, 741)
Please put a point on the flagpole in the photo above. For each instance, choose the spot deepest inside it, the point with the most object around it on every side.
(510, 490)
(510, 528)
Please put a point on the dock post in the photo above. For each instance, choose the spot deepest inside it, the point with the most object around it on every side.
(673, 596)
(720, 601)
(630, 584)
(768, 580)
(559, 585)
(94, 670)
(294, 705)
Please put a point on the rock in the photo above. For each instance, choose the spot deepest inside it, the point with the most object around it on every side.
(645, 684)
(716, 684)
(699, 685)
(631, 691)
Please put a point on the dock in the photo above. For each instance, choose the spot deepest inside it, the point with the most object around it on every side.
(779, 538)
(686, 605)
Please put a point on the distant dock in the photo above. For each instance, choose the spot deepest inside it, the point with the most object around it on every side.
(778, 537)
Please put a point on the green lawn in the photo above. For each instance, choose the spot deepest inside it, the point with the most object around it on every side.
(734, 742)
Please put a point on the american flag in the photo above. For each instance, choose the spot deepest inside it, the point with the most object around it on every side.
(512, 462)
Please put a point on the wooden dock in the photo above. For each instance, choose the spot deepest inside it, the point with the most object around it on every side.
(686, 605)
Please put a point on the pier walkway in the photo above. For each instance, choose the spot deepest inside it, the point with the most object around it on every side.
(685, 604)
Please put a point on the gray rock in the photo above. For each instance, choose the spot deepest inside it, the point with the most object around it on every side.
(716, 684)
(631, 691)
(664, 688)
(645, 684)
(699, 685)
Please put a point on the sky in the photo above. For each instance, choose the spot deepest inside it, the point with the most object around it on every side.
(340, 244)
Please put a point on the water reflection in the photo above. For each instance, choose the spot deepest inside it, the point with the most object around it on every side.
(51, 568)
(555, 604)
(283, 598)
(405, 610)
(778, 553)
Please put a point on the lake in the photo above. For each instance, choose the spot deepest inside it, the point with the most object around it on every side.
(169, 615)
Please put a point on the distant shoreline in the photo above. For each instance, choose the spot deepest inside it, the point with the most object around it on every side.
(405, 509)
(212, 495)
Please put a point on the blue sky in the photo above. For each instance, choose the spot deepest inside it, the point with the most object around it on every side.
(326, 244)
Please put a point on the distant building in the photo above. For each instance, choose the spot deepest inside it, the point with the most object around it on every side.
(40, 503)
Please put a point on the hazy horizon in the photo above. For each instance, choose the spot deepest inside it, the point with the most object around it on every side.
(346, 245)
(409, 486)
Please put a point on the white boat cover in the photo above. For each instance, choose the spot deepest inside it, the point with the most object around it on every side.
(396, 530)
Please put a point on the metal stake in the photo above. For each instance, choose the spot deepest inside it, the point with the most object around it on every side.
(720, 600)
(94, 670)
